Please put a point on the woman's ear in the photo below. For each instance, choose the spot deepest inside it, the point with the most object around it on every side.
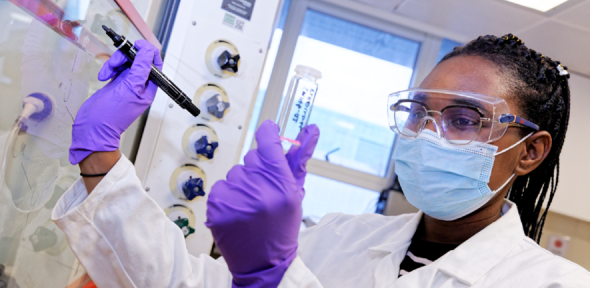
(536, 149)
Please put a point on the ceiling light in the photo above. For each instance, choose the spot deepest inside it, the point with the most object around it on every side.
(541, 5)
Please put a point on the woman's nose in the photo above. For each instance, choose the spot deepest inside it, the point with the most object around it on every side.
(433, 126)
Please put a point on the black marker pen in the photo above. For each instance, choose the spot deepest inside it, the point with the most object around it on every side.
(156, 75)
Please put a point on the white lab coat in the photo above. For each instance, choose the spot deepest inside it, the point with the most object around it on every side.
(124, 239)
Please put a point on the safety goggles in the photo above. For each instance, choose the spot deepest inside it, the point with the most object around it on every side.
(460, 117)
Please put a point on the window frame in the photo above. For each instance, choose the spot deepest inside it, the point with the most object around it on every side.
(426, 60)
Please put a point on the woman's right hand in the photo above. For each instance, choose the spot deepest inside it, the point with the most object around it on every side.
(108, 113)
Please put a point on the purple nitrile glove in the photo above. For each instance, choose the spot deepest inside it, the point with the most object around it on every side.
(108, 113)
(255, 214)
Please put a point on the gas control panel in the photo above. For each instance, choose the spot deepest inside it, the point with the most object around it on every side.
(215, 55)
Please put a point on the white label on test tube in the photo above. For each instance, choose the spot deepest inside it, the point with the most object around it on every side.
(299, 102)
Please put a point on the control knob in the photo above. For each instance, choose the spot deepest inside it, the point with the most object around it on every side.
(206, 148)
(193, 188)
(228, 62)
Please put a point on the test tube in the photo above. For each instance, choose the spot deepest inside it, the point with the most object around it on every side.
(297, 104)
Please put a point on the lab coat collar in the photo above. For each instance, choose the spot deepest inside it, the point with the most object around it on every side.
(468, 262)
(484, 250)
(395, 246)
(402, 238)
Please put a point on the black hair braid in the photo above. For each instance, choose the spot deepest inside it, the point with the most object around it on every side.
(541, 90)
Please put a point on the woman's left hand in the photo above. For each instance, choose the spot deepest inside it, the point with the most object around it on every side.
(255, 214)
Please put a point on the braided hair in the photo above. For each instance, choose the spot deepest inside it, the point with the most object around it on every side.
(541, 87)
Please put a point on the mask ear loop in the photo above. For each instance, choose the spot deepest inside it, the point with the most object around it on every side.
(503, 185)
(508, 181)
(527, 136)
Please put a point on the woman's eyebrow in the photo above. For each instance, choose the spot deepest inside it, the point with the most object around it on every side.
(422, 97)
(470, 102)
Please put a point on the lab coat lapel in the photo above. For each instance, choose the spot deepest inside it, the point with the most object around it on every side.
(395, 248)
(476, 256)
(427, 276)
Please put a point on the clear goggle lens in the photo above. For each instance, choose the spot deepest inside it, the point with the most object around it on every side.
(459, 125)
(460, 117)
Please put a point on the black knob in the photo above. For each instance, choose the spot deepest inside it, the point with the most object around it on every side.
(228, 62)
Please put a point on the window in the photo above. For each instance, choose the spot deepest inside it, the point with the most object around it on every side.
(446, 47)
(265, 78)
(360, 67)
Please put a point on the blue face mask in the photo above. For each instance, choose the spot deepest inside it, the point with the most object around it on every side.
(446, 181)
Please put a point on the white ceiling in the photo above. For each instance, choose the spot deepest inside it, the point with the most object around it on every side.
(562, 33)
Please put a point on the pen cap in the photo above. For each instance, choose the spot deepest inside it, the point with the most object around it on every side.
(191, 108)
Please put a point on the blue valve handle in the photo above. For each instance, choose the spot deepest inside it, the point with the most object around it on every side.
(193, 188)
(206, 148)
(216, 106)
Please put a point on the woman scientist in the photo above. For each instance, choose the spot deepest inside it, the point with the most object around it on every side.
(488, 123)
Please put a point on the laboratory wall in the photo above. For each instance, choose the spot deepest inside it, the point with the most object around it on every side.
(215, 56)
(569, 216)
(573, 235)
(573, 193)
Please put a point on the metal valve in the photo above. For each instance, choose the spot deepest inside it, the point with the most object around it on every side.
(193, 188)
(206, 148)
(228, 62)
(216, 106)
